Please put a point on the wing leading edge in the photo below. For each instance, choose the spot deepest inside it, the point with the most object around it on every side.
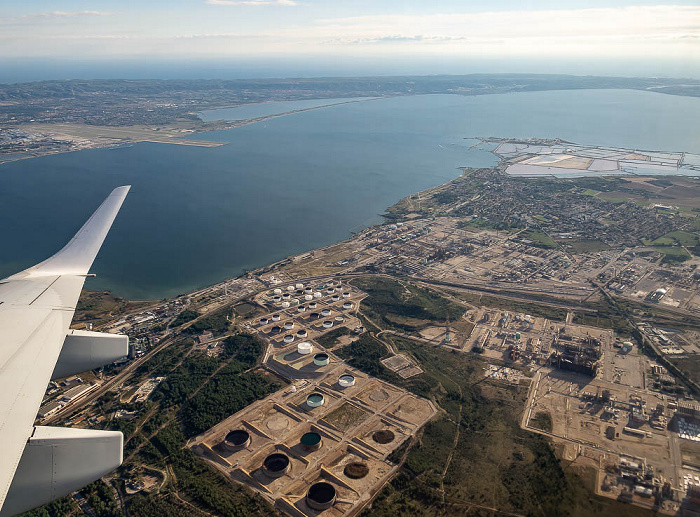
(36, 310)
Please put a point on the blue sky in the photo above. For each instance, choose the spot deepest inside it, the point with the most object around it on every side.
(634, 31)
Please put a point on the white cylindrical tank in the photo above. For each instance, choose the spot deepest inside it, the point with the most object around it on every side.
(301, 308)
(277, 299)
(315, 400)
(346, 381)
(289, 325)
(275, 317)
(312, 305)
(326, 312)
(335, 297)
(321, 359)
(327, 324)
(290, 288)
(288, 338)
(346, 295)
(301, 333)
(277, 291)
(295, 301)
(347, 305)
(339, 319)
(285, 304)
(299, 286)
(305, 348)
(308, 297)
(318, 294)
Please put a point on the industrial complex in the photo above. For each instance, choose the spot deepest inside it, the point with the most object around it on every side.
(324, 442)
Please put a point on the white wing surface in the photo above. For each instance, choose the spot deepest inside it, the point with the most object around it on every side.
(36, 310)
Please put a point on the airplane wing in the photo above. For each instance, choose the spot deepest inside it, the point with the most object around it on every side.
(38, 464)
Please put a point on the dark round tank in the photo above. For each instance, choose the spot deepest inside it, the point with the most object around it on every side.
(313, 315)
(383, 436)
(276, 329)
(237, 439)
(276, 465)
(321, 496)
(356, 470)
(311, 441)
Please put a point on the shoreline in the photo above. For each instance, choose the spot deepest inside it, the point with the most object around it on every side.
(172, 134)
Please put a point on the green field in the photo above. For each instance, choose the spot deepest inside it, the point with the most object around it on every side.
(404, 306)
(680, 237)
(538, 238)
(673, 254)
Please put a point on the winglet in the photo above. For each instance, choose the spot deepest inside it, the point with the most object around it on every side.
(77, 256)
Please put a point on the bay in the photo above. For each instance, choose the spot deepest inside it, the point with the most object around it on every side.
(285, 185)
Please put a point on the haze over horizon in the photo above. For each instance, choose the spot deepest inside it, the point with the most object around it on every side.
(286, 38)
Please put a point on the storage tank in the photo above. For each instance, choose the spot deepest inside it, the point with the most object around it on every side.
(305, 348)
(301, 308)
(288, 338)
(275, 329)
(327, 324)
(318, 294)
(383, 436)
(311, 441)
(275, 317)
(277, 291)
(321, 359)
(326, 312)
(347, 380)
(285, 305)
(313, 305)
(264, 321)
(286, 296)
(299, 286)
(276, 465)
(288, 325)
(346, 295)
(347, 305)
(339, 319)
(309, 290)
(315, 400)
(335, 297)
(290, 288)
(302, 333)
(308, 297)
(314, 315)
(295, 301)
(236, 440)
(277, 299)
(321, 496)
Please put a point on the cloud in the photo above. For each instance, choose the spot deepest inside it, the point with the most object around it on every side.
(623, 30)
(252, 2)
(62, 14)
(53, 15)
(398, 38)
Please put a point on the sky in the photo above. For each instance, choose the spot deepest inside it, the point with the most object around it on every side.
(634, 37)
